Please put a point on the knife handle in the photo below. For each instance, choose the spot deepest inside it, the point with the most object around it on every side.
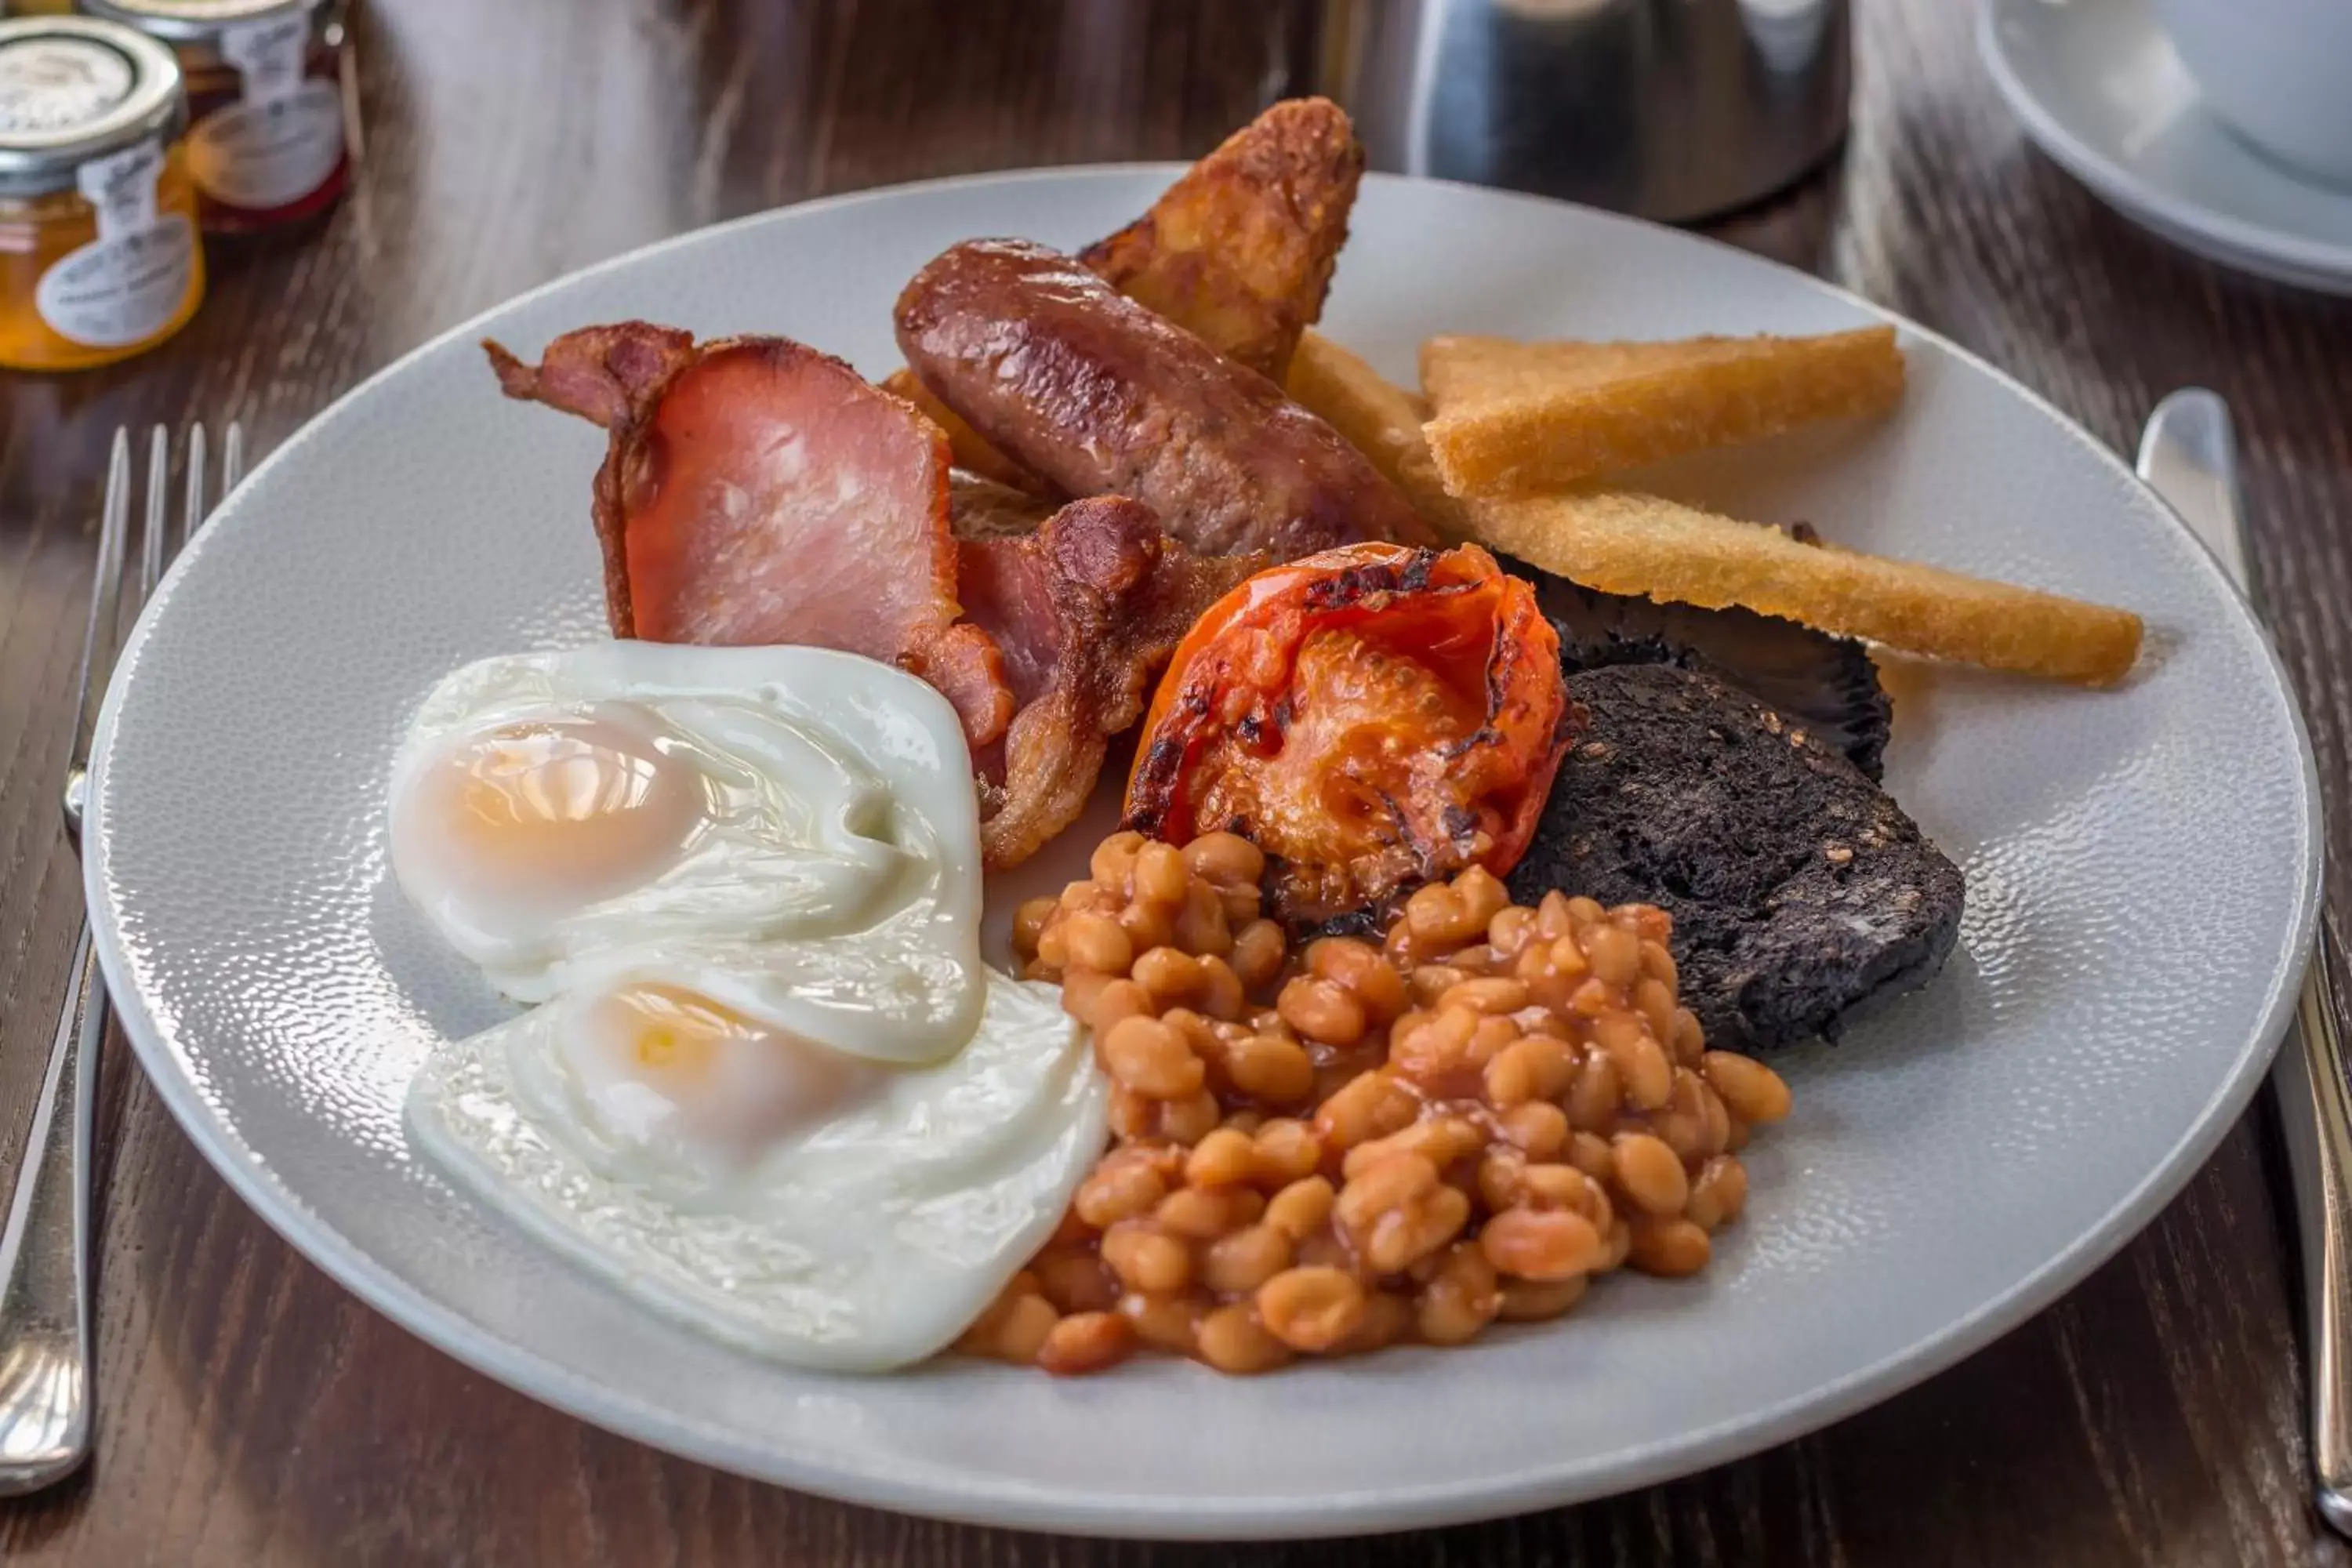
(2327, 1273)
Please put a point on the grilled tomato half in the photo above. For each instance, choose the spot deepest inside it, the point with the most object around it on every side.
(1372, 716)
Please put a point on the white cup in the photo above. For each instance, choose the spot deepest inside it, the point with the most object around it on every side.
(2279, 72)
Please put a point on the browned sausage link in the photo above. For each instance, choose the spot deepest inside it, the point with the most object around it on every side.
(1101, 395)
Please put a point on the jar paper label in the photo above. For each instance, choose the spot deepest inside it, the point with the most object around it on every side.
(267, 57)
(122, 288)
(122, 187)
(264, 155)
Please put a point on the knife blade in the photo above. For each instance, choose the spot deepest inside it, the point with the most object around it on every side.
(2188, 455)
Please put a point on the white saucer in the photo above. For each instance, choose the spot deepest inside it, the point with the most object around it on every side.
(2098, 88)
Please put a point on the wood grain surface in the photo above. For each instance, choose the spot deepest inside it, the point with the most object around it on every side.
(252, 1412)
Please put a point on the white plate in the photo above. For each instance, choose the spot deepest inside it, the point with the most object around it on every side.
(2098, 88)
(2142, 866)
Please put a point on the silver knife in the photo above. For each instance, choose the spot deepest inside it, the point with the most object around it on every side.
(2188, 456)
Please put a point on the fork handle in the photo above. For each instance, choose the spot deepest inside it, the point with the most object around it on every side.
(44, 1381)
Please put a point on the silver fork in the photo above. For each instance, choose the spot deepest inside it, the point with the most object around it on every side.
(45, 1360)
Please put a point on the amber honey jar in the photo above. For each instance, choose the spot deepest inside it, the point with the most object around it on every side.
(266, 144)
(99, 258)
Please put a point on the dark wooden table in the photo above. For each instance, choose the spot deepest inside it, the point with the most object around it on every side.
(252, 1412)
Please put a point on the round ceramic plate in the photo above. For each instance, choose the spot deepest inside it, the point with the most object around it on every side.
(2141, 864)
(2097, 85)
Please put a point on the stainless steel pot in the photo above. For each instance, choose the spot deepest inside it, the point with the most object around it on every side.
(1675, 109)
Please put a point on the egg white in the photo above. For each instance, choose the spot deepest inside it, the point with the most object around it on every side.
(866, 1242)
(833, 887)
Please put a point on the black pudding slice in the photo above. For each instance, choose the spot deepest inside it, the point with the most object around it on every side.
(1798, 887)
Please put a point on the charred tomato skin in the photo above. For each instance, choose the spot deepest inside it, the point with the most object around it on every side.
(1449, 626)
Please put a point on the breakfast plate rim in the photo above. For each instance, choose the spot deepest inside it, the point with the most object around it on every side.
(945, 1492)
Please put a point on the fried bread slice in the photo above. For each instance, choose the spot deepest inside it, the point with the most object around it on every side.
(1511, 417)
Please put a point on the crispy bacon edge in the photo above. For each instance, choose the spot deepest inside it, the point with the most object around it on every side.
(1088, 609)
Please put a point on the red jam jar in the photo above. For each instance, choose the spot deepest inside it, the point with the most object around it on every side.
(265, 134)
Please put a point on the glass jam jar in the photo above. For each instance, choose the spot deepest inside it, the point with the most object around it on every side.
(265, 143)
(99, 258)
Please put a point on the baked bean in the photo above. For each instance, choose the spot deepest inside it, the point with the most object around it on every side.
(1362, 970)
(1084, 1342)
(1268, 1067)
(1146, 1258)
(1547, 1243)
(1545, 1185)
(1655, 1003)
(1028, 921)
(1585, 911)
(1388, 1317)
(1132, 1115)
(1222, 994)
(1683, 1123)
(1225, 1158)
(1642, 1065)
(1225, 858)
(1438, 917)
(1511, 1075)
(1053, 949)
(1322, 1010)
(1751, 1091)
(1190, 1120)
(1371, 1106)
(1151, 1058)
(1200, 1213)
(1231, 1340)
(1095, 941)
(1593, 1099)
(1539, 1301)
(1397, 1212)
(1672, 1247)
(1511, 929)
(1431, 981)
(1719, 1194)
(1167, 1322)
(1160, 876)
(1200, 928)
(1539, 1129)
(1651, 1173)
(1689, 1039)
(1148, 925)
(1286, 1150)
(1717, 1120)
(1259, 949)
(1116, 999)
(1440, 1141)
(1502, 1178)
(1461, 1298)
(1590, 999)
(1075, 1281)
(1172, 975)
(1117, 1190)
(1658, 965)
(1113, 862)
(1491, 993)
(1311, 1309)
(1429, 1046)
(1246, 1259)
(1590, 1153)
(1483, 895)
(1302, 1209)
(1014, 1330)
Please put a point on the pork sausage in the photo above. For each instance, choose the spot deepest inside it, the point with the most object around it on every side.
(1081, 385)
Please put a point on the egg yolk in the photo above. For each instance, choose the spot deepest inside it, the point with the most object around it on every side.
(664, 1066)
(559, 812)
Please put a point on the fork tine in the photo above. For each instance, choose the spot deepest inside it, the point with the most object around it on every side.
(232, 457)
(159, 492)
(113, 536)
(194, 512)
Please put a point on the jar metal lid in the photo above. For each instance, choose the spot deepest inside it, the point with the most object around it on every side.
(72, 88)
(197, 21)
